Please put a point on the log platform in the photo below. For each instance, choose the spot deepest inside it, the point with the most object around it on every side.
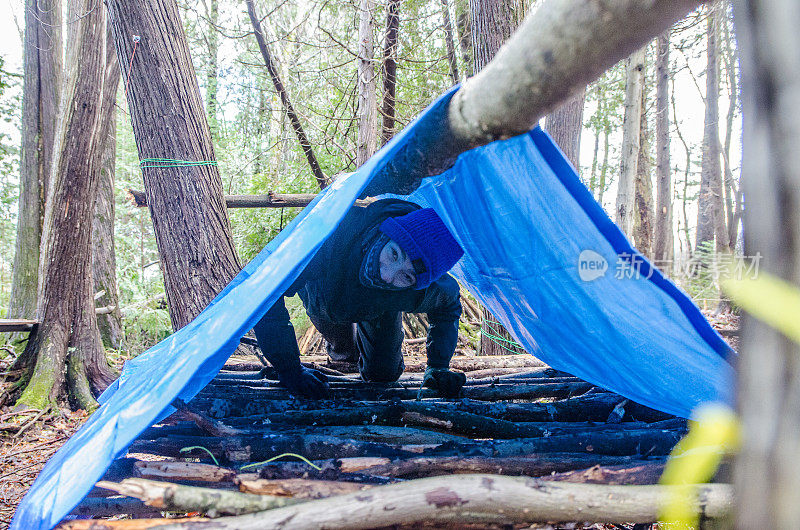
(245, 446)
(13, 325)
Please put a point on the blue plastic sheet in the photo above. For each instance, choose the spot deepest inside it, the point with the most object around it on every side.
(540, 253)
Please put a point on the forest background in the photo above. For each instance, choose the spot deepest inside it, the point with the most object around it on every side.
(318, 47)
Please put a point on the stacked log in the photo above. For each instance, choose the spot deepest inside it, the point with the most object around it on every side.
(520, 428)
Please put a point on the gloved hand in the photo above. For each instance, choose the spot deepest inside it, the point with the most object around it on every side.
(305, 382)
(446, 382)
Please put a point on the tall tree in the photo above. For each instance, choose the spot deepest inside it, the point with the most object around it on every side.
(390, 70)
(663, 248)
(452, 60)
(493, 22)
(212, 76)
(710, 205)
(643, 193)
(67, 342)
(767, 470)
(40, 100)
(187, 207)
(626, 186)
(367, 99)
(464, 29)
(733, 192)
(104, 260)
(565, 125)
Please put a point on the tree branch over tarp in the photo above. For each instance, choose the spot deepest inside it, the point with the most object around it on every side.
(558, 50)
(290, 112)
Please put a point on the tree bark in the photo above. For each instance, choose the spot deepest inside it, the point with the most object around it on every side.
(367, 101)
(104, 261)
(626, 186)
(305, 145)
(452, 60)
(40, 99)
(212, 78)
(493, 21)
(67, 341)
(767, 470)
(710, 206)
(479, 499)
(565, 125)
(193, 233)
(643, 195)
(464, 29)
(664, 246)
(560, 48)
(174, 497)
(390, 70)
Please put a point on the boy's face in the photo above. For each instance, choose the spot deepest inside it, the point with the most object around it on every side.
(396, 267)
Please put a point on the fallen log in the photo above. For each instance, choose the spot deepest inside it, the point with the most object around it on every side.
(650, 441)
(646, 473)
(213, 502)
(534, 466)
(505, 391)
(110, 506)
(260, 448)
(483, 499)
(182, 471)
(126, 524)
(299, 488)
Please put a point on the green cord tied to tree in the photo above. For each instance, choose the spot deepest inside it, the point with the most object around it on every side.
(171, 162)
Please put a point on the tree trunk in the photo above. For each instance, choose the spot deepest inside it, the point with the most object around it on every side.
(104, 261)
(390, 70)
(212, 38)
(450, 42)
(67, 341)
(193, 234)
(367, 101)
(464, 29)
(626, 185)
(604, 169)
(767, 471)
(40, 100)
(710, 206)
(565, 125)
(272, 68)
(643, 202)
(664, 247)
(733, 197)
(493, 21)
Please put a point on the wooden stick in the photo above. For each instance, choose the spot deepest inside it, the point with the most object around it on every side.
(484, 499)
(172, 497)
(182, 471)
(126, 524)
(299, 488)
(646, 473)
(535, 466)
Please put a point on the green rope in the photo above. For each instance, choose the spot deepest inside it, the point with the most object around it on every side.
(171, 162)
(187, 449)
(497, 339)
(301, 457)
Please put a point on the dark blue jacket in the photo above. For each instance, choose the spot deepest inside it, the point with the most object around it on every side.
(330, 290)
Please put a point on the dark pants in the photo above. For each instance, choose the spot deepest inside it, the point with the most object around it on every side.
(377, 344)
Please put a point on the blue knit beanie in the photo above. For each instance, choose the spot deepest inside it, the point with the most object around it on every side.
(429, 244)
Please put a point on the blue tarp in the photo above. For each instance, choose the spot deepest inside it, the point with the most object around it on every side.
(540, 253)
